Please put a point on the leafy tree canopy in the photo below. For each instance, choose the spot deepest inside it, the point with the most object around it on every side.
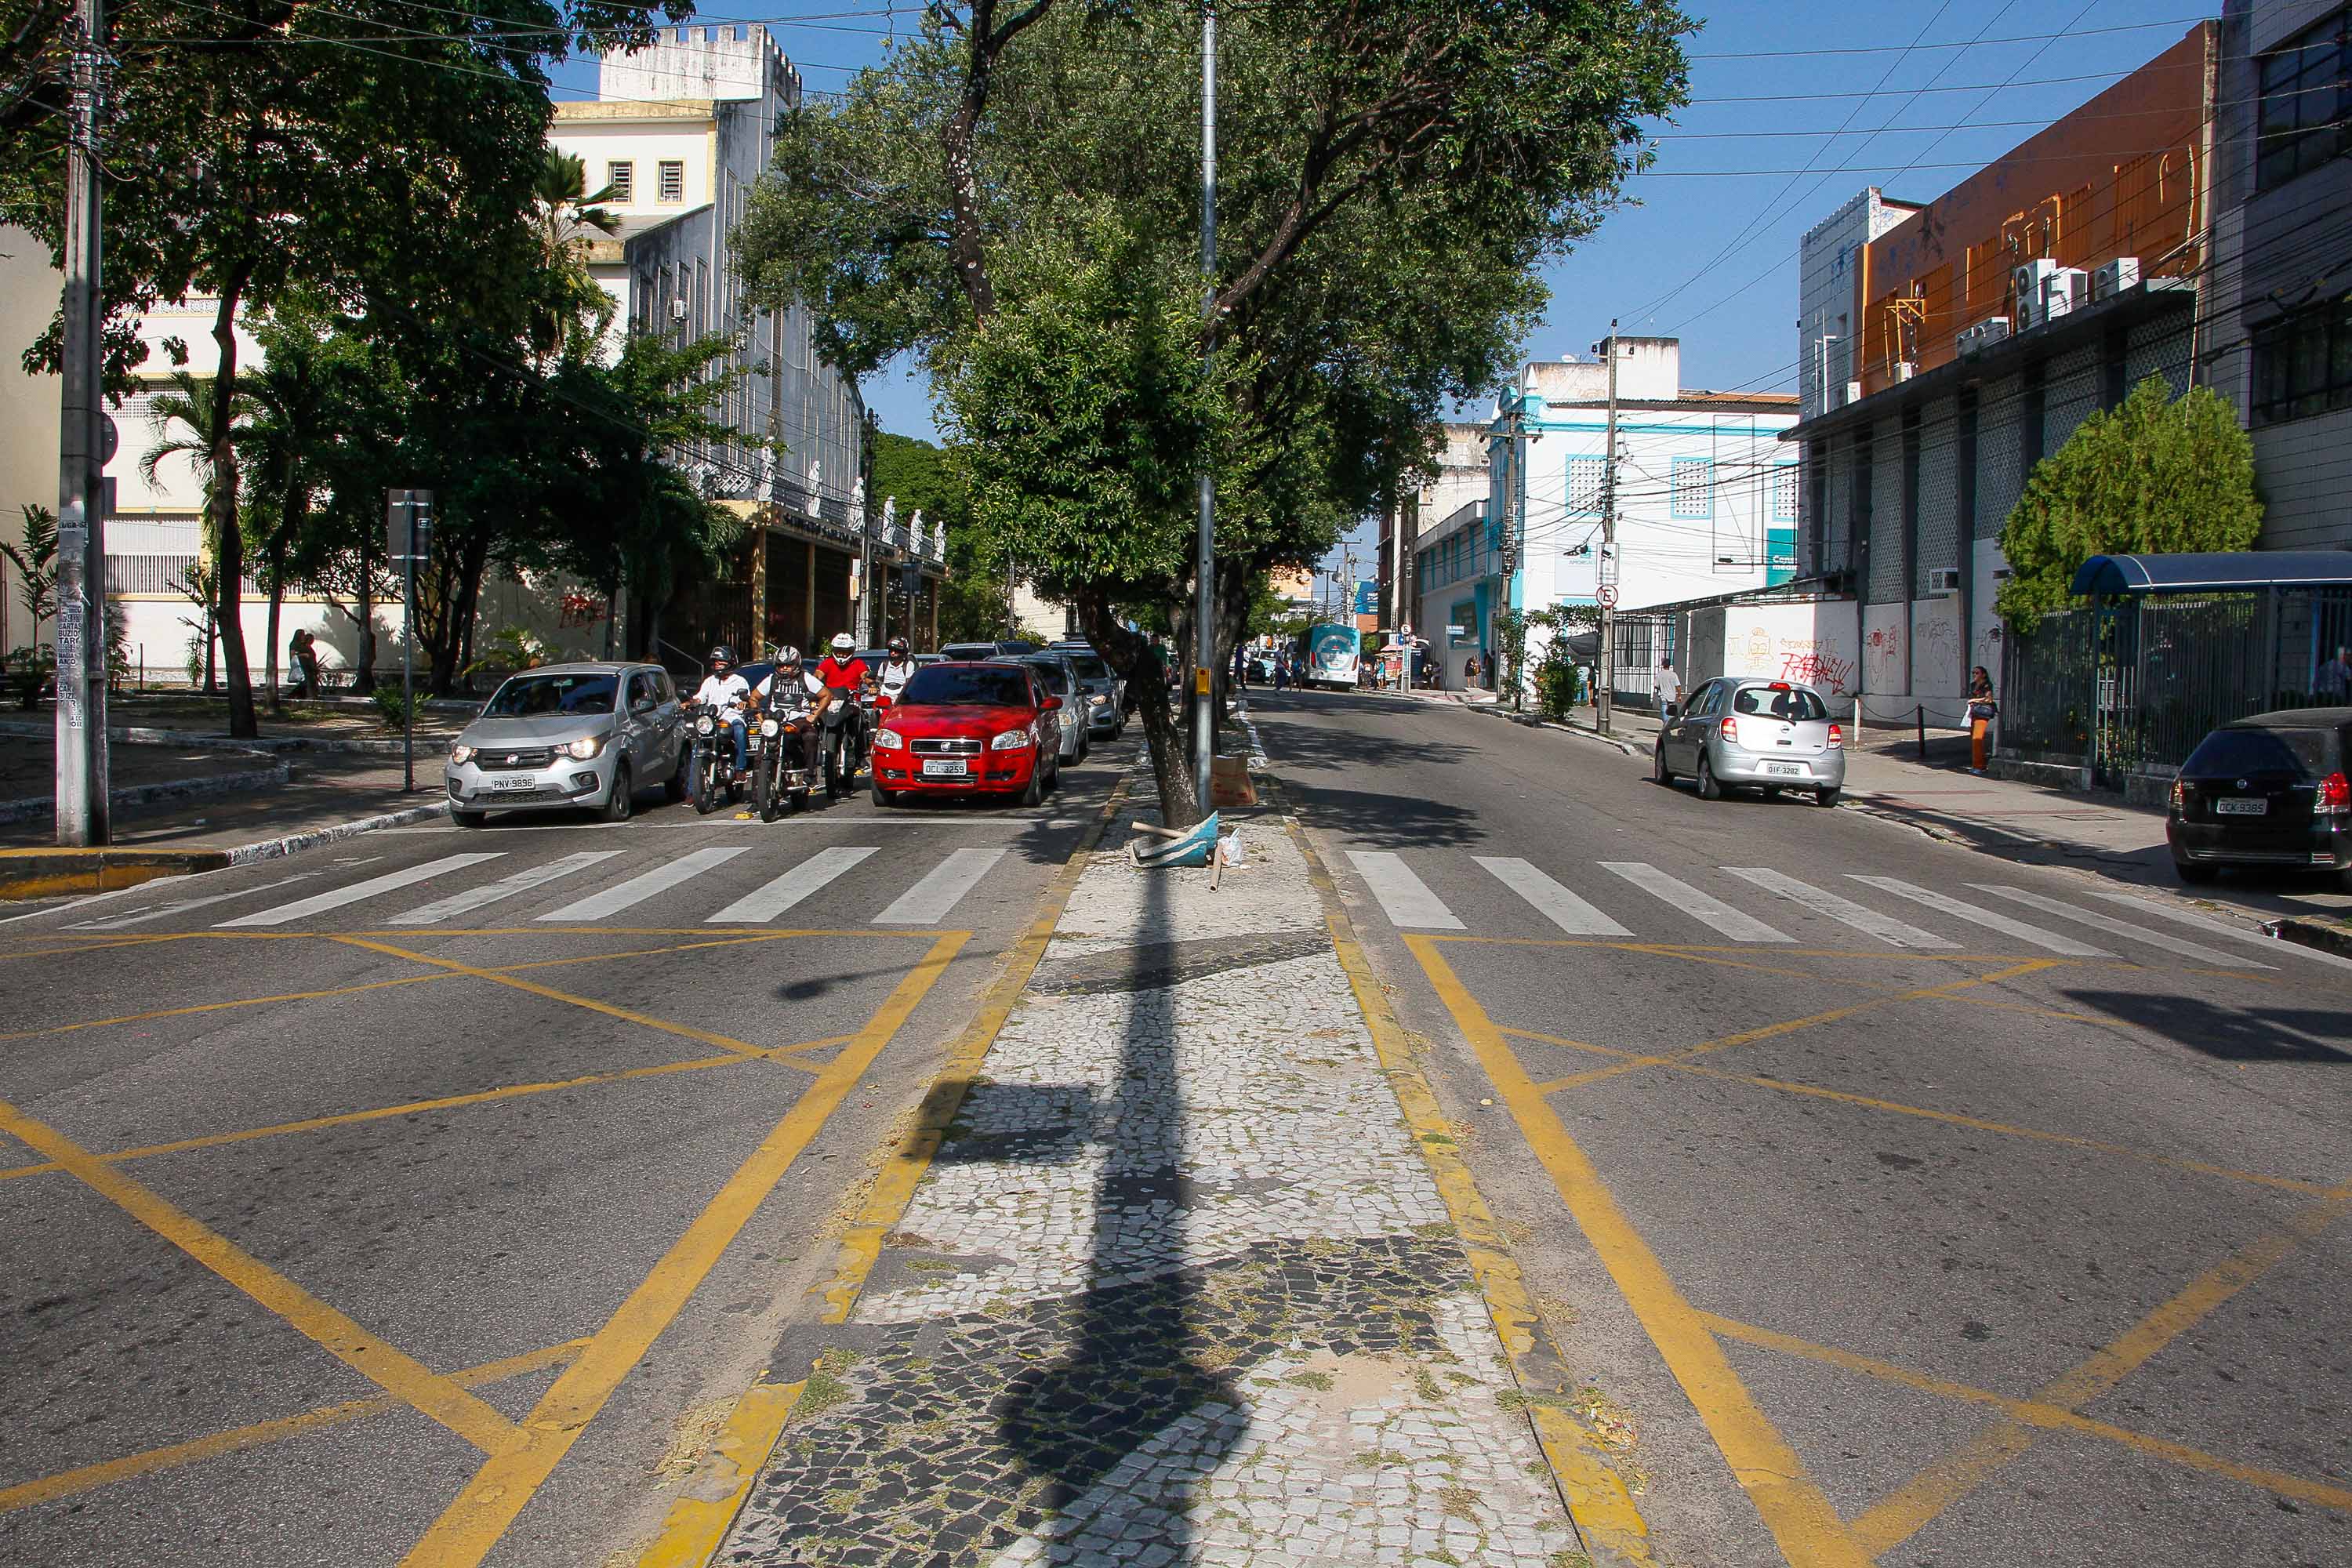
(2155, 474)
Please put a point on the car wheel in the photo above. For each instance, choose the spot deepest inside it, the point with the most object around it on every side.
(707, 788)
(2199, 876)
(620, 800)
(1034, 794)
(1826, 798)
(469, 818)
(674, 788)
(1709, 786)
(1659, 773)
(881, 797)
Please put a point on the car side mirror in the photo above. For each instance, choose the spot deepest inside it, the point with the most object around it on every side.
(642, 705)
(1049, 705)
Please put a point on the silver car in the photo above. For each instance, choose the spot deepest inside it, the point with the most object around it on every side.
(585, 736)
(1061, 680)
(1766, 734)
(1099, 691)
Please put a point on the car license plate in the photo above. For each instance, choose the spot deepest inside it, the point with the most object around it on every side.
(1788, 770)
(945, 767)
(2243, 805)
(525, 781)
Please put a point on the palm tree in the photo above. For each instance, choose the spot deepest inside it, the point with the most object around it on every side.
(566, 213)
(190, 407)
(284, 440)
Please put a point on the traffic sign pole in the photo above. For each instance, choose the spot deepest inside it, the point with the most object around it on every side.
(408, 533)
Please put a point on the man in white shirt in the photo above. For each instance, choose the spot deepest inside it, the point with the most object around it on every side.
(1670, 687)
(788, 692)
(898, 669)
(727, 691)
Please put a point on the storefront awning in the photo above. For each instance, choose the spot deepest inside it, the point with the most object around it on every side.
(2247, 571)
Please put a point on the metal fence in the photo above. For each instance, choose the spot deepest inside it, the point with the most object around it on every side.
(2130, 686)
(1642, 638)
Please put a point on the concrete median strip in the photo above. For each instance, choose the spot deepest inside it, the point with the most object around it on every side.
(48, 873)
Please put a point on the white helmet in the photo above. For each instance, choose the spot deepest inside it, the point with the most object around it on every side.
(843, 643)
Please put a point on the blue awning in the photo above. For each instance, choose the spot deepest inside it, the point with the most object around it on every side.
(2246, 570)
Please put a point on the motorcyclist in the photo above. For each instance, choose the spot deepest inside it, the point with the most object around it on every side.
(787, 692)
(898, 669)
(728, 693)
(840, 668)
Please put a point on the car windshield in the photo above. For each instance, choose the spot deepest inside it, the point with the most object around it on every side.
(1055, 676)
(531, 696)
(2298, 754)
(1090, 667)
(965, 685)
(1795, 705)
(969, 650)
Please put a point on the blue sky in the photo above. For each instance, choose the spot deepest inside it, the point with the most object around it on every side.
(1794, 110)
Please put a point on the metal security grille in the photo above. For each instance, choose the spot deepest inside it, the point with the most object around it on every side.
(497, 759)
(672, 186)
(945, 746)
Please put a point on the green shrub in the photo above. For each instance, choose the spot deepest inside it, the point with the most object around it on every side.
(393, 705)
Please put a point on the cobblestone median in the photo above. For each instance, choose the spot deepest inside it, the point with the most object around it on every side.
(1178, 1287)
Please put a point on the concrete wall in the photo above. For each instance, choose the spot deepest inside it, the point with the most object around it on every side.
(1816, 644)
(29, 295)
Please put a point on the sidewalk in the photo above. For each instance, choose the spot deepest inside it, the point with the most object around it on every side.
(326, 794)
(1178, 1285)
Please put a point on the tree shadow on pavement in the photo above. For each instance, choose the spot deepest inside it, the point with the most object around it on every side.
(2232, 1033)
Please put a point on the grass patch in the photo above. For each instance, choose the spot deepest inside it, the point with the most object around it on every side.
(1459, 1502)
(1319, 1381)
(827, 1385)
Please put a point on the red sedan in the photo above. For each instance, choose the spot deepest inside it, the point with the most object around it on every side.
(962, 729)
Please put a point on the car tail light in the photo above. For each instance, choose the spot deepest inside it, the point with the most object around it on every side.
(1730, 731)
(2335, 796)
(2180, 798)
(1837, 735)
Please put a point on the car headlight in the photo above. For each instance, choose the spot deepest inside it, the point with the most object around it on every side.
(461, 753)
(1102, 699)
(703, 726)
(767, 726)
(888, 739)
(586, 747)
(1013, 740)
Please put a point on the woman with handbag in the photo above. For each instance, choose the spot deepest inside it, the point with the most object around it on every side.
(1982, 709)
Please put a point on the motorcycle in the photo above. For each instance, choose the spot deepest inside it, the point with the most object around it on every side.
(845, 726)
(782, 772)
(713, 762)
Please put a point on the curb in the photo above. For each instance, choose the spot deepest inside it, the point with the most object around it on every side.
(44, 873)
(30, 806)
(2310, 935)
(1537, 721)
(295, 843)
(136, 736)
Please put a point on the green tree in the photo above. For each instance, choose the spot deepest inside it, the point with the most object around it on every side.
(974, 605)
(2156, 475)
(184, 418)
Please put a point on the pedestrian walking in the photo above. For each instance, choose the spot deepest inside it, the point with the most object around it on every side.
(302, 662)
(1982, 709)
(2336, 676)
(1670, 689)
(1470, 671)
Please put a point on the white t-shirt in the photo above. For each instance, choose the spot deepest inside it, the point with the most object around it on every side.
(792, 697)
(895, 676)
(727, 693)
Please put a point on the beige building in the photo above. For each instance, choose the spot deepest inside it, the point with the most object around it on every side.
(29, 294)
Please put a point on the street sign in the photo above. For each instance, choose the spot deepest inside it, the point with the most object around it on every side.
(1608, 596)
(407, 524)
(109, 439)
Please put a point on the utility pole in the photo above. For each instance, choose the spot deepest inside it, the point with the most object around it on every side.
(81, 634)
(1205, 592)
(1607, 570)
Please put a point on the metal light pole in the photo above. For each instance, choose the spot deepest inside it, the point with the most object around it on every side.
(1205, 592)
(408, 533)
(1607, 570)
(81, 634)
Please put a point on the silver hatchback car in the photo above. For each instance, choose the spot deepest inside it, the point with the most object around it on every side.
(589, 734)
(1768, 734)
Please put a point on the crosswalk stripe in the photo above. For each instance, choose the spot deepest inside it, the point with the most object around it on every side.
(766, 903)
(1404, 898)
(637, 890)
(2201, 922)
(2040, 936)
(928, 900)
(2164, 940)
(141, 915)
(492, 892)
(1701, 906)
(1821, 901)
(1556, 903)
(335, 899)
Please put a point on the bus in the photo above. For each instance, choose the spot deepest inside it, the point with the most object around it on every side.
(1333, 656)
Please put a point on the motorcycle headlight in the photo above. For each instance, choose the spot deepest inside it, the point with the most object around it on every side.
(888, 739)
(461, 753)
(767, 726)
(704, 726)
(586, 747)
(1011, 740)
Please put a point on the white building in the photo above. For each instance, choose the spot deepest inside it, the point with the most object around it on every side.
(1827, 259)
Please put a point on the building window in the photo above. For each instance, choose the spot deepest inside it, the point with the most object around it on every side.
(621, 178)
(2303, 365)
(1784, 492)
(2305, 104)
(672, 188)
(1693, 488)
(1588, 484)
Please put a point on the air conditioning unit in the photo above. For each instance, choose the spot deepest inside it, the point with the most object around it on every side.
(1983, 335)
(2117, 276)
(2025, 282)
(1854, 391)
(2003, 574)
(677, 309)
(1905, 370)
(1943, 580)
(2064, 292)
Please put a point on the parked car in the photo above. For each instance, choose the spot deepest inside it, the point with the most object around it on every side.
(1100, 692)
(2269, 790)
(1061, 680)
(978, 650)
(588, 734)
(1766, 734)
(962, 728)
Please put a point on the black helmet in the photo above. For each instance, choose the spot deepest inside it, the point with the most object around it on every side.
(899, 646)
(722, 654)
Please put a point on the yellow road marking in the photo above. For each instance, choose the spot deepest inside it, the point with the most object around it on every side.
(1974, 1124)
(394, 1371)
(1786, 1497)
(1908, 1509)
(88, 944)
(222, 1007)
(90, 1477)
(698, 1521)
(473, 1523)
(2031, 1413)
(1790, 1026)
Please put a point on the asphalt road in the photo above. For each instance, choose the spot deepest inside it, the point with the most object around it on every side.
(1955, 1241)
(319, 1176)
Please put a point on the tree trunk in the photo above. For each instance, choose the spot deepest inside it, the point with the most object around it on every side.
(1137, 661)
(242, 722)
(363, 661)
